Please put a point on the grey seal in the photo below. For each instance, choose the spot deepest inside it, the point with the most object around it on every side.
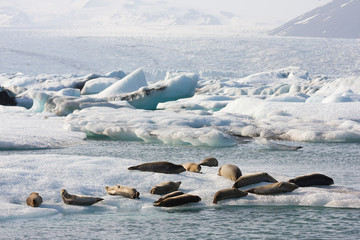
(230, 171)
(274, 188)
(34, 200)
(253, 178)
(159, 167)
(178, 200)
(228, 193)
(313, 179)
(80, 200)
(124, 191)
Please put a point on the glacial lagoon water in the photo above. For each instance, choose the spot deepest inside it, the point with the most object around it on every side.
(304, 215)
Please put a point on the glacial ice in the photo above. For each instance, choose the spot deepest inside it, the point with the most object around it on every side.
(184, 108)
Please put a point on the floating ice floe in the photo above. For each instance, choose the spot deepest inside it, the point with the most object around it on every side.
(195, 128)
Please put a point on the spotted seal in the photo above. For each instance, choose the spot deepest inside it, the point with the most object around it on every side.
(159, 167)
(230, 171)
(80, 200)
(228, 193)
(253, 178)
(274, 188)
(34, 200)
(124, 191)
(313, 179)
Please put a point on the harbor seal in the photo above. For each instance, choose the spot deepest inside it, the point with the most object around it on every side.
(169, 195)
(274, 188)
(80, 200)
(159, 167)
(124, 191)
(166, 187)
(313, 179)
(230, 171)
(228, 193)
(34, 200)
(253, 178)
(178, 200)
(209, 162)
(192, 167)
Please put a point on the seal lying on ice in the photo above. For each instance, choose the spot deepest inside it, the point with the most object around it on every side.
(253, 178)
(80, 200)
(228, 193)
(166, 187)
(274, 188)
(192, 167)
(159, 167)
(209, 162)
(313, 179)
(178, 200)
(169, 195)
(230, 171)
(34, 200)
(124, 191)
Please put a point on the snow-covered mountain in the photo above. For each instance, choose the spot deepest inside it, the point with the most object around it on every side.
(115, 13)
(337, 19)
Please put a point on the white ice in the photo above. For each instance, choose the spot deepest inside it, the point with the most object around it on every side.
(86, 175)
(21, 129)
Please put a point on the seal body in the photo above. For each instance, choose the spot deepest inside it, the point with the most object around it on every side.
(178, 200)
(34, 200)
(274, 188)
(169, 195)
(230, 171)
(228, 193)
(209, 162)
(192, 167)
(159, 167)
(124, 191)
(253, 178)
(164, 188)
(312, 180)
(80, 200)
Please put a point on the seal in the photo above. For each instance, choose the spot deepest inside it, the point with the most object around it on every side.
(169, 195)
(230, 171)
(166, 187)
(209, 162)
(80, 200)
(274, 188)
(159, 167)
(192, 167)
(228, 193)
(124, 191)
(178, 200)
(313, 179)
(34, 200)
(253, 178)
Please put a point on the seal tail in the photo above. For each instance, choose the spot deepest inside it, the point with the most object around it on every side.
(133, 168)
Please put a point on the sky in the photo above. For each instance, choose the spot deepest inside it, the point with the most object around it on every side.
(133, 12)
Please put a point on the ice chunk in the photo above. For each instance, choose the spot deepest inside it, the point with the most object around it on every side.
(97, 85)
(169, 127)
(130, 83)
(182, 86)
